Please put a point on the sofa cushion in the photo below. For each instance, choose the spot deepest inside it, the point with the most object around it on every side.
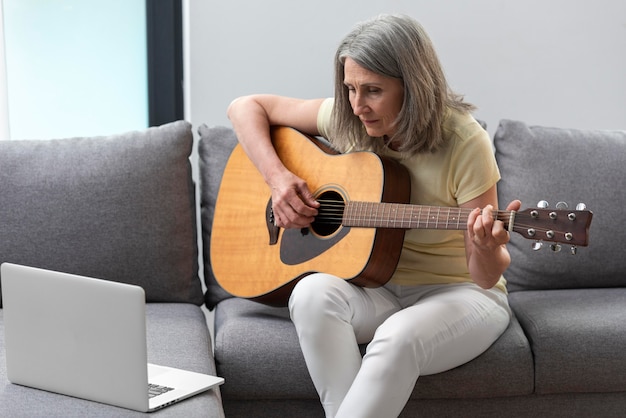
(553, 164)
(177, 336)
(214, 148)
(120, 207)
(577, 338)
(256, 347)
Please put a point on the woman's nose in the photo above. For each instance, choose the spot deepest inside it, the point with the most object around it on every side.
(358, 104)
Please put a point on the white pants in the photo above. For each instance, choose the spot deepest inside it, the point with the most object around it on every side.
(411, 330)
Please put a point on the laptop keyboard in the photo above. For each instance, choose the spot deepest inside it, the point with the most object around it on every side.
(156, 390)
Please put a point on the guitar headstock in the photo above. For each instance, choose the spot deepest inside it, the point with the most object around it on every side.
(560, 225)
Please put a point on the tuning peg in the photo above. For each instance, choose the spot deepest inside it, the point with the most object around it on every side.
(542, 204)
(555, 248)
(561, 205)
(536, 245)
(581, 206)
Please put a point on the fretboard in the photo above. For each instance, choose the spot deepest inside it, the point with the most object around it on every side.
(397, 215)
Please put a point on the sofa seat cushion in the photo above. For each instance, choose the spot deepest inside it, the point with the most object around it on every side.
(256, 346)
(577, 338)
(177, 336)
(118, 207)
(257, 350)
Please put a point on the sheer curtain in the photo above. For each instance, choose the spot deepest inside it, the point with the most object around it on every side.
(73, 68)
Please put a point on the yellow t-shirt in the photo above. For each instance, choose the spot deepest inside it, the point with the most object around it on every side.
(461, 171)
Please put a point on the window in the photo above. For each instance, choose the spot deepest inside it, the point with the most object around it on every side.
(91, 67)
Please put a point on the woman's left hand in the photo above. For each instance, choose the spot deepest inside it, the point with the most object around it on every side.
(485, 231)
(485, 239)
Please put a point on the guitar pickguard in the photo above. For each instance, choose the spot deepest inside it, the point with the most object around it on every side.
(300, 245)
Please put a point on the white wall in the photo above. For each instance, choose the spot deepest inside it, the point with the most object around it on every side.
(549, 62)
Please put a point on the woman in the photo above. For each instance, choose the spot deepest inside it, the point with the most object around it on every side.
(446, 302)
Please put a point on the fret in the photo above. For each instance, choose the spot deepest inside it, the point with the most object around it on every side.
(419, 217)
(360, 213)
(410, 216)
(363, 213)
(404, 219)
(382, 218)
(373, 215)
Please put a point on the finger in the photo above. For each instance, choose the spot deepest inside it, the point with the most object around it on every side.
(307, 197)
(287, 217)
(478, 227)
(302, 208)
(514, 205)
(487, 218)
(471, 220)
(500, 234)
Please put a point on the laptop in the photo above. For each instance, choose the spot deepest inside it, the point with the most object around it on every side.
(86, 338)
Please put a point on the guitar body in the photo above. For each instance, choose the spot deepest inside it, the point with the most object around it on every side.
(251, 258)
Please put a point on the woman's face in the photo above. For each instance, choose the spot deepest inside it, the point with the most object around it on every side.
(375, 99)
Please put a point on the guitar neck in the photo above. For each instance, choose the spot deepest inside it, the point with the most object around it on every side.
(406, 216)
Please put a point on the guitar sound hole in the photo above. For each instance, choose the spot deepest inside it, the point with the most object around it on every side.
(330, 213)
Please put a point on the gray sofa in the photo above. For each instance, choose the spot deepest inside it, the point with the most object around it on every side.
(561, 356)
(121, 208)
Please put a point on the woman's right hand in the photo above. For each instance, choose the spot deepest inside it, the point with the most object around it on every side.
(293, 204)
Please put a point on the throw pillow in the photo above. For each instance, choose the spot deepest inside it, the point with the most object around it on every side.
(120, 207)
(572, 166)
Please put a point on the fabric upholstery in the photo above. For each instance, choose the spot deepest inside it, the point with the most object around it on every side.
(572, 166)
(214, 148)
(254, 343)
(577, 338)
(120, 207)
(580, 405)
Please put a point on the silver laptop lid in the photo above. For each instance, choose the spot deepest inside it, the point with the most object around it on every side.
(75, 335)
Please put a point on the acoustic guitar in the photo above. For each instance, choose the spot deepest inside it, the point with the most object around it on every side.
(359, 230)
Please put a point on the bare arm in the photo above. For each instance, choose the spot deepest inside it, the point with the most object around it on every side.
(485, 240)
(252, 116)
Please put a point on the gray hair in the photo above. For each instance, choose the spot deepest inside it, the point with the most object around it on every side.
(399, 47)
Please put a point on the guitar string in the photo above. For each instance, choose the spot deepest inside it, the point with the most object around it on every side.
(332, 211)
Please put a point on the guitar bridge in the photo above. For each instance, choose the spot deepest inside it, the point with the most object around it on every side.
(270, 221)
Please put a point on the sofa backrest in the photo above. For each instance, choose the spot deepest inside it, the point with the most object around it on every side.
(214, 147)
(120, 208)
(536, 163)
(552, 164)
